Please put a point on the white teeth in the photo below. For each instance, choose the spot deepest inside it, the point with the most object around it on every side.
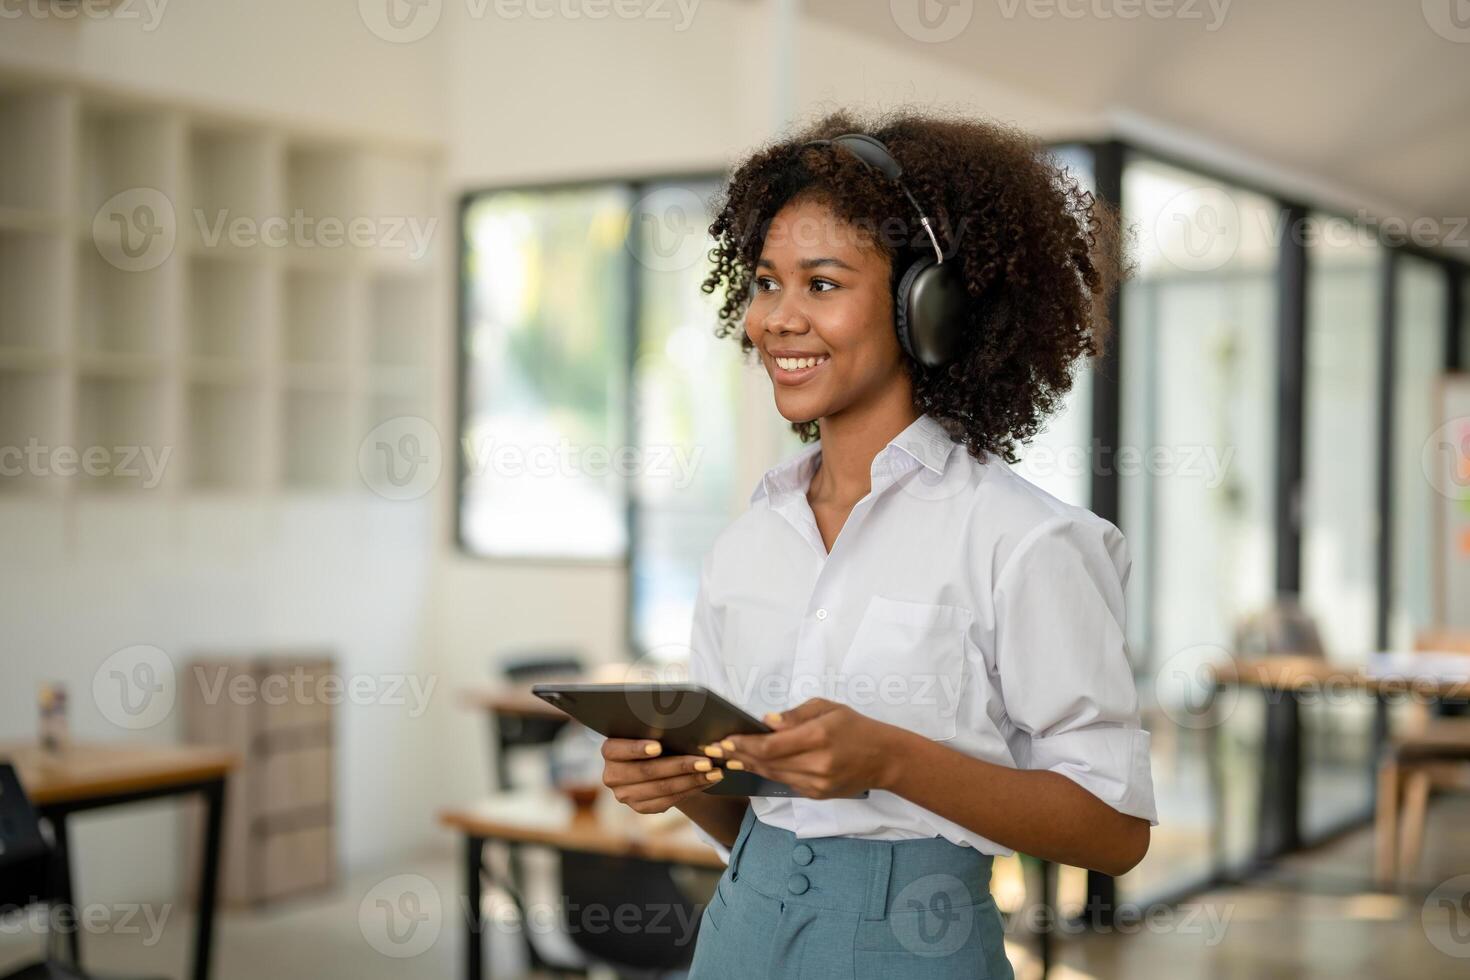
(797, 363)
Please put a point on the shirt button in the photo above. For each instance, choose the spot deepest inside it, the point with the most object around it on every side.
(821, 614)
(802, 854)
(797, 884)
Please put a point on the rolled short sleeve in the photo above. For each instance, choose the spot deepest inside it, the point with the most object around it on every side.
(704, 668)
(1062, 661)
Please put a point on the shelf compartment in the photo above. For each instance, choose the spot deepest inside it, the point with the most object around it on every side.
(32, 405)
(317, 438)
(36, 128)
(126, 418)
(399, 325)
(33, 293)
(230, 308)
(126, 150)
(321, 310)
(325, 181)
(226, 436)
(233, 175)
(120, 311)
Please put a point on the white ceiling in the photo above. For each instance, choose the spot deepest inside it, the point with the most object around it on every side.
(1363, 100)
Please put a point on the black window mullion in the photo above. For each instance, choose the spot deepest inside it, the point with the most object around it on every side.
(1454, 356)
(1291, 333)
(1387, 320)
(1104, 492)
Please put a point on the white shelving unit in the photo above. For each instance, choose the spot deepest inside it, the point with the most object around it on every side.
(260, 348)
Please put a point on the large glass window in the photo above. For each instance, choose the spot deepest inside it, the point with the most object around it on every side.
(1339, 511)
(686, 390)
(545, 381)
(1196, 466)
(1418, 361)
(1197, 460)
(1340, 484)
(600, 411)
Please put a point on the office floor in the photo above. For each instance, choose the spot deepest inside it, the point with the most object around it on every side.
(1314, 916)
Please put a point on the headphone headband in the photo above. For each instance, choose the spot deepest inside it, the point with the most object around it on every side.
(872, 154)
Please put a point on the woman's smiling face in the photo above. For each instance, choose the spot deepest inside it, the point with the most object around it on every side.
(821, 314)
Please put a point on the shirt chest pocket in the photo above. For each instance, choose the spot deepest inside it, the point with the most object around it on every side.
(906, 665)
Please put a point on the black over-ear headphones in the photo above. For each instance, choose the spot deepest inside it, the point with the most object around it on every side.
(929, 305)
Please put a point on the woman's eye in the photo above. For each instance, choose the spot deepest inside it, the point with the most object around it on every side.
(823, 285)
(764, 284)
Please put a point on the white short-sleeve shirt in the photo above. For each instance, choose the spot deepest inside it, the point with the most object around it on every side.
(959, 601)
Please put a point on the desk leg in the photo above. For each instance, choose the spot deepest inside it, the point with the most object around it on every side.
(63, 888)
(214, 801)
(474, 945)
(1281, 777)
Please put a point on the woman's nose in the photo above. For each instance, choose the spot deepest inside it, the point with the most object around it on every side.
(786, 318)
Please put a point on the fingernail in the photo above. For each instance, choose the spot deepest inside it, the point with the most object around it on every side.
(715, 751)
(652, 748)
(714, 775)
(728, 744)
(773, 716)
(703, 765)
(734, 764)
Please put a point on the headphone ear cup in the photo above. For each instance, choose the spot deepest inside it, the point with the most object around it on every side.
(902, 316)
(930, 312)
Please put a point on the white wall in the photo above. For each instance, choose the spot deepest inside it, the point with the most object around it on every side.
(89, 575)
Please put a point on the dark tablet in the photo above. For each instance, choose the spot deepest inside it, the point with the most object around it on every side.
(682, 717)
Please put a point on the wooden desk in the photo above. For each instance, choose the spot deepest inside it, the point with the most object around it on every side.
(1287, 680)
(548, 819)
(91, 776)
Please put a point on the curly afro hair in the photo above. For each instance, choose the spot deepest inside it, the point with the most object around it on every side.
(1039, 256)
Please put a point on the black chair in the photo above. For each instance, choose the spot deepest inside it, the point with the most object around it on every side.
(517, 731)
(660, 936)
(29, 876)
(511, 732)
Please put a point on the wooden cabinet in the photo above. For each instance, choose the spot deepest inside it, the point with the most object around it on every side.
(276, 711)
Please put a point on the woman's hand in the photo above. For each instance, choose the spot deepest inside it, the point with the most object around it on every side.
(640, 779)
(820, 748)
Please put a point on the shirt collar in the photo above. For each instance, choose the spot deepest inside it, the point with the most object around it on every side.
(924, 441)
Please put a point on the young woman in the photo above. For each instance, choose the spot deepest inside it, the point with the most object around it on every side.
(938, 643)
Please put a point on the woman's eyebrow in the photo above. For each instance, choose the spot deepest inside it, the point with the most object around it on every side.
(812, 263)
